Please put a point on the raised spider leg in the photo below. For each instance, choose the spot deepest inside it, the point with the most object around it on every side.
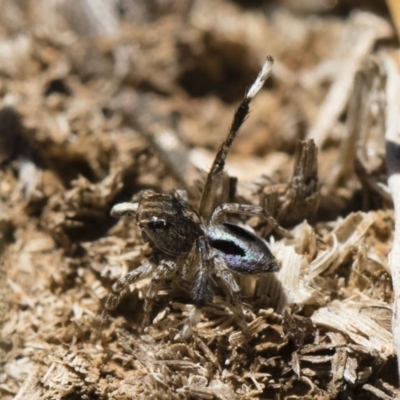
(217, 168)
(165, 270)
(220, 213)
(145, 269)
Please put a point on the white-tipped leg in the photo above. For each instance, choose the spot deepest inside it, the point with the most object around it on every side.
(214, 176)
(124, 209)
(261, 78)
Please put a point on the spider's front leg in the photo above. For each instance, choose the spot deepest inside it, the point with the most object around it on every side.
(198, 269)
(220, 213)
(145, 269)
(165, 270)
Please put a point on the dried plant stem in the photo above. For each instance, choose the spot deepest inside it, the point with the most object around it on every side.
(363, 32)
(392, 64)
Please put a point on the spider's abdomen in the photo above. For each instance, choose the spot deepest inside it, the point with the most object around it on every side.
(170, 223)
(243, 251)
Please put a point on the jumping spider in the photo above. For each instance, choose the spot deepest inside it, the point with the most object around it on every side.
(197, 244)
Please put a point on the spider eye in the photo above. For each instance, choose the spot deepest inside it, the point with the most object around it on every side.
(157, 223)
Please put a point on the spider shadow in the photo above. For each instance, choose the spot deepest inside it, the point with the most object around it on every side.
(264, 291)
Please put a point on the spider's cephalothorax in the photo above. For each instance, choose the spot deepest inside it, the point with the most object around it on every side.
(170, 223)
(199, 244)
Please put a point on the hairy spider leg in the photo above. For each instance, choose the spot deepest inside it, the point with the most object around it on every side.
(232, 290)
(217, 168)
(180, 194)
(201, 290)
(220, 213)
(165, 270)
(130, 208)
(198, 269)
(144, 270)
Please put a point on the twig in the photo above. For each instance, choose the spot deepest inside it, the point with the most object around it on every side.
(364, 31)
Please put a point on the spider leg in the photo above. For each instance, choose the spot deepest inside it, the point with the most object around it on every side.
(127, 209)
(220, 213)
(130, 208)
(180, 194)
(217, 168)
(232, 290)
(201, 263)
(121, 285)
(201, 291)
(165, 270)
